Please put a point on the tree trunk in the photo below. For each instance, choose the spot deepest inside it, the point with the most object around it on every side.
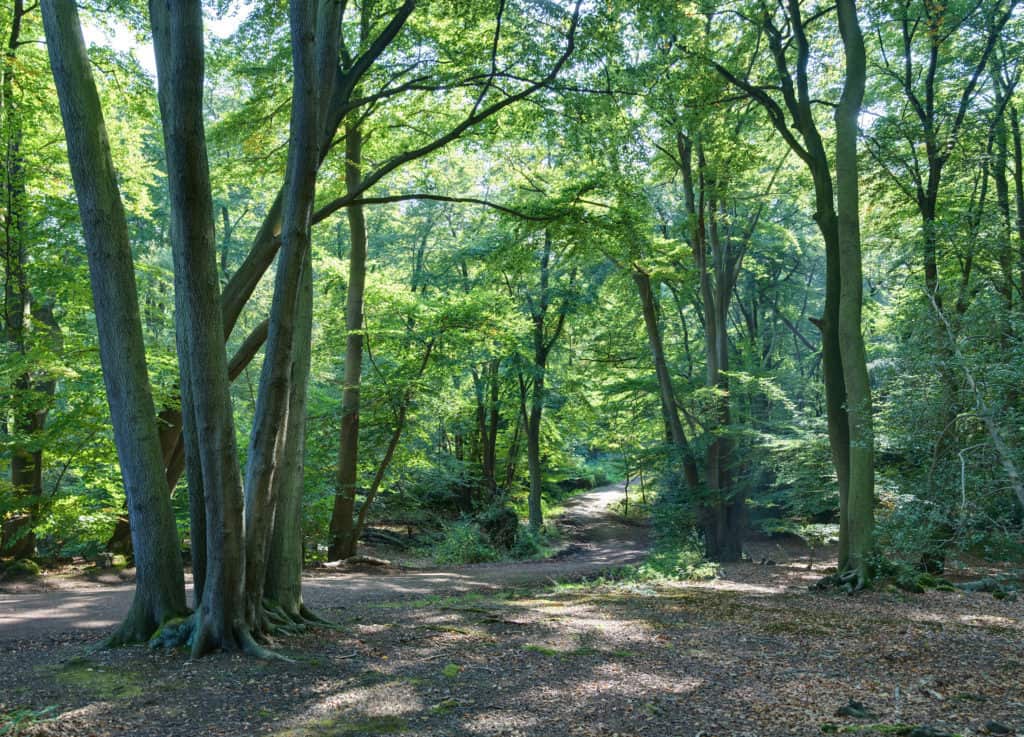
(343, 543)
(670, 409)
(533, 442)
(18, 539)
(285, 557)
(490, 450)
(720, 514)
(861, 494)
(1018, 191)
(268, 439)
(209, 433)
(160, 589)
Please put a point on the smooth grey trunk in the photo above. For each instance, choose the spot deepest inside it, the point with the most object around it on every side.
(268, 438)
(208, 422)
(283, 586)
(160, 587)
(861, 499)
(343, 544)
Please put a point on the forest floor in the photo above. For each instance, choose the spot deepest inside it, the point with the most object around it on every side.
(499, 649)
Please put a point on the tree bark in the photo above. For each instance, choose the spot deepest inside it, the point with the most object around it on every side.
(861, 494)
(208, 423)
(343, 543)
(268, 438)
(283, 587)
(18, 538)
(160, 589)
(670, 409)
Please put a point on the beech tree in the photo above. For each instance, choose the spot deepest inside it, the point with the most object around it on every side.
(787, 35)
(160, 588)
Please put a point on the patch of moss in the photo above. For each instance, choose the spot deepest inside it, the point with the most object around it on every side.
(445, 706)
(541, 649)
(99, 682)
(340, 726)
(451, 670)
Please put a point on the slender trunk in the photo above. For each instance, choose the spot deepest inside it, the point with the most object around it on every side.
(999, 165)
(225, 240)
(533, 442)
(861, 494)
(670, 409)
(1018, 191)
(268, 439)
(283, 584)
(389, 452)
(343, 544)
(493, 417)
(18, 539)
(514, 448)
(723, 530)
(160, 589)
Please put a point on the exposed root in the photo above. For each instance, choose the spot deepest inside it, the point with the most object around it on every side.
(250, 647)
(138, 628)
(309, 617)
(849, 581)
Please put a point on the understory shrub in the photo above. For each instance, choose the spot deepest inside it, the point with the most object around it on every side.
(463, 542)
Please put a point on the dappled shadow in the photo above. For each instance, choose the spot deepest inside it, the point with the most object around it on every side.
(458, 652)
(96, 609)
(724, 658)
(24, 616)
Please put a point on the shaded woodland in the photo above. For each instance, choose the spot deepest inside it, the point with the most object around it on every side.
(290, 284)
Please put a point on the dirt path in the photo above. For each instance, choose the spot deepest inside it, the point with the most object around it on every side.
(459, 653)
(597, 542)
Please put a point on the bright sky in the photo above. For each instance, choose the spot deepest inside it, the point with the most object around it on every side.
(122, 39)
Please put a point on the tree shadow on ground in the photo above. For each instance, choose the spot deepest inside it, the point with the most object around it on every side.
(730, 657)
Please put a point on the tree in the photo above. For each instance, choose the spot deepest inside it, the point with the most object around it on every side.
(160, 586)
(787, 35)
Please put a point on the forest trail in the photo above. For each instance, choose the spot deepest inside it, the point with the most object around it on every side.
(596, 539)
(491, 651)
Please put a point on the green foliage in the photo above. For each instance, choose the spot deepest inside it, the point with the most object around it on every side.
(463, 542)
(17, 721)
(21, 568)
(531, 544)
(76, 525)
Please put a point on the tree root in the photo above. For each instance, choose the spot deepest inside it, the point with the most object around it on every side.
(849, 581)
(273, 620)
(1001, 585)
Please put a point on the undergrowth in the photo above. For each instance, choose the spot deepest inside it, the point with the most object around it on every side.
(463, 541)
(17, 721)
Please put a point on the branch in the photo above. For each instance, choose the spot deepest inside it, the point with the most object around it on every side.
(329, 209)
(471, 120)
